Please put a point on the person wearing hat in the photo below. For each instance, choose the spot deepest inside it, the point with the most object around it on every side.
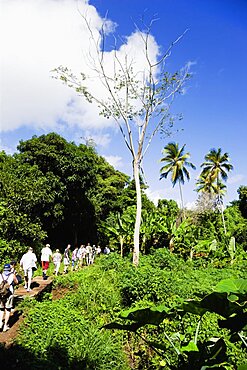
(6, 304)
(28, 262)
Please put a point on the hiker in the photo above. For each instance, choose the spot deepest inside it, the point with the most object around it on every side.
(57, 258)
(6, 299)
(93, 252)
(107, 250)
(66, 259)
(89, 254)
(98, 250)
(28, 262)
(74, 258)
(81, 254)
(13, 266)
(46, 254)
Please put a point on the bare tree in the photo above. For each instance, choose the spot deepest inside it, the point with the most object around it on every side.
(138, 100)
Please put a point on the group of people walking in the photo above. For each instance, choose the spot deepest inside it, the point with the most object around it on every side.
(84, 255)
(72, 259)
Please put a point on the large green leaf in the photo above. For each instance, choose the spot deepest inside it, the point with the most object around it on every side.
(149, 315)
(194, 307)
(232, 286)
(217, 351)
(235, 323)
(242, 367)
(190, 347)
(219, 303)
(214, 302)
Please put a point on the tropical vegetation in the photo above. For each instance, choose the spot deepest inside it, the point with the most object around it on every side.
(184, 307)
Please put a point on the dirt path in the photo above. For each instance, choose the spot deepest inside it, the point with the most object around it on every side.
(38, 286)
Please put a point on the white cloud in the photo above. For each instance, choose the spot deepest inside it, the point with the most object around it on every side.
(6, 148)
(164, 193)
(102, 140)
(236, 179)
(114, 160)
(38, 36)
(190, 205)
(154, 196)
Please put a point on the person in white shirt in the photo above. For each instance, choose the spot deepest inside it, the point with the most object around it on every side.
(89, 254)
(57, 257)
(46, 254)
(28, 262)
(6, 304)
(81, 254)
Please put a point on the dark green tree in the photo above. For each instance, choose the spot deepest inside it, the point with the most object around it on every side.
(242, 192)
(25, 194)
(88, 186)
(176, 163)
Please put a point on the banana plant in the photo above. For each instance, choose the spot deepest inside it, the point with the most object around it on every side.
(120, 226)
(228, 300)
(232, 248)
(150, 227)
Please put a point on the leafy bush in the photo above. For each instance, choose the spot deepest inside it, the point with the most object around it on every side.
(66, 333)
(10, 250)
(61, 336)
(228, 300)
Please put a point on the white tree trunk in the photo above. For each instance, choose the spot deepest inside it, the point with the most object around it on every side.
(121, 245)
(182, 201)
(136, 250)
(223, 218)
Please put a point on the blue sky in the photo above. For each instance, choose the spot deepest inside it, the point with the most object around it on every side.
(40, 35)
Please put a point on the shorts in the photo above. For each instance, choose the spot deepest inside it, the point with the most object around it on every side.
(28, 272)
(57, 265)
(8, 304)
(66, 261)
(45, 265)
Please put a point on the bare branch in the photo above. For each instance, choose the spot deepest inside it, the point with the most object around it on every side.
(168, 51)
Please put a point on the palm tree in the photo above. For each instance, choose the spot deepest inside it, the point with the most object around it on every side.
(206, 184)
(215, 169)
(216, 166)
(211, 193)
(176, 162)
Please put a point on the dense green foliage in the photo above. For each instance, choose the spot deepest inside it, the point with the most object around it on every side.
(88, 185)
(56, 191)
(67, 333)
(242, 191)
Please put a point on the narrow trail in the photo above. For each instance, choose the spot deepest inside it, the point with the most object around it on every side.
(38, 287)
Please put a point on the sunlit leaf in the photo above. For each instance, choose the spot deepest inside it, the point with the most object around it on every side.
(191, 347)
(232, 286)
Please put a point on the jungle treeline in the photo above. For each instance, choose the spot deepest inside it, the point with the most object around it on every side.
(55, 191)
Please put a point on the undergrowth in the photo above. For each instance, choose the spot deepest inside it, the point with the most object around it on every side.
(67, 333)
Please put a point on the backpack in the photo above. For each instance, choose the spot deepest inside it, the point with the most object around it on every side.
(4, 290)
